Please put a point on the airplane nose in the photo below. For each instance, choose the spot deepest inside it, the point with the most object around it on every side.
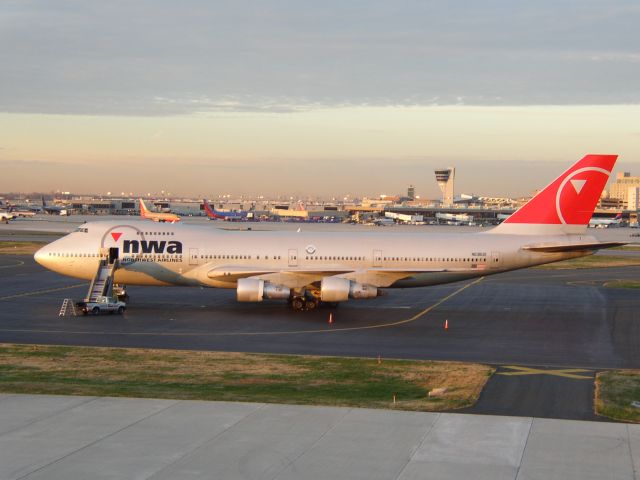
(42, 255)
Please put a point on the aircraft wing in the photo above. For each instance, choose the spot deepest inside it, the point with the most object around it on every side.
(380, 277)
(575, 247)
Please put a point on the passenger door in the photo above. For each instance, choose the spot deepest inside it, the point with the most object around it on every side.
(496, 260)
(293, 257)
(377, 258)
(193, 256)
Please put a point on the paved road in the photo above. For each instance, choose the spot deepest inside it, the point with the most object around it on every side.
(545, 392)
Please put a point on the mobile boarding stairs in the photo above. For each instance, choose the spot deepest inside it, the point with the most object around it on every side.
(101, 285)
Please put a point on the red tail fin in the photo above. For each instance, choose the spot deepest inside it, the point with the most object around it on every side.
(568, 201)
(208, 210)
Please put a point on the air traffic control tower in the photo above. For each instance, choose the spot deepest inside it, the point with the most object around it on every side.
(445, 178)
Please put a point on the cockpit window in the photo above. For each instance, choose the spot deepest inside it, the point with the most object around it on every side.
(82, 229)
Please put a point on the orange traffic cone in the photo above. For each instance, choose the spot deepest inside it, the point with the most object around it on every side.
(446, 325)
(330, 318)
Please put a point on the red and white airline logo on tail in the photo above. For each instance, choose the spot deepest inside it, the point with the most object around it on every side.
(572, 197)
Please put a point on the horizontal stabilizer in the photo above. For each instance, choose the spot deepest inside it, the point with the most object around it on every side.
(576, 247)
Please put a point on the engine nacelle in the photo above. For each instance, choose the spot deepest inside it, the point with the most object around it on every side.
(362, 290)
(255, 290)
(336, 289)
(274, 291)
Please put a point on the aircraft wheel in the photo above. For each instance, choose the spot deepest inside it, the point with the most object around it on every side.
(312, 303)
(298, 304)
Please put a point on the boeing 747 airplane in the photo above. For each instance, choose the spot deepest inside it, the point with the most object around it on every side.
(313, 267)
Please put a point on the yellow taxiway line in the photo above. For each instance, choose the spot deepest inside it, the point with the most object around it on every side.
(40, 292)
(415, 317)
(563, 372)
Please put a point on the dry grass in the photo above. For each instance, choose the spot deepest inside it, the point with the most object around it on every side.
(20, 248)
(593, 261)
(623, 284)
(615, 391)
(239, 377)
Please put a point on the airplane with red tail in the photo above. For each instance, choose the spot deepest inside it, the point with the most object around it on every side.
(307, 268)
(157, 216)
(213, 214)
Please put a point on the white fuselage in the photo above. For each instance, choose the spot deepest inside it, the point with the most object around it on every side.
(173, 254)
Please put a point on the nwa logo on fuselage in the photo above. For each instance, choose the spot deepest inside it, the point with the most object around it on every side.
(152, 246)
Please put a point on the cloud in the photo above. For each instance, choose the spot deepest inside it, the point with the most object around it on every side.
(615, 57)
(32, 163)
(165, 58)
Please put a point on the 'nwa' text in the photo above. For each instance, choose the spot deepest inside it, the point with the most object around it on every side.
(151, 246)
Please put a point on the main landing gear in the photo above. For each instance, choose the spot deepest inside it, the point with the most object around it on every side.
(301, 303)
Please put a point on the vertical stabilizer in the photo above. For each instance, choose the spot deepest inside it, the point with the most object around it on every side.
(143, 209)
(567, 204)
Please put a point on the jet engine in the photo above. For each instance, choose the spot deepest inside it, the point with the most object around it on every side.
(336, 289)
(255, 290)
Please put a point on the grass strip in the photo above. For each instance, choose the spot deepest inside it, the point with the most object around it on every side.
(615, 392)
(20, 248)
(623, 284)
(628, 247)
(193, 375)
(593, 261)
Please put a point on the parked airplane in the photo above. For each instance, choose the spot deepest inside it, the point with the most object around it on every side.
(6, 216)
(454, 218)
(213, 214)
(605, 222)
(157, 216)
(306, 268)
(382, 222)
(53, 209)
(21, 212)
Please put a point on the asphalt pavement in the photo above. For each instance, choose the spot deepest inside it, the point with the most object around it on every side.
(558, 319)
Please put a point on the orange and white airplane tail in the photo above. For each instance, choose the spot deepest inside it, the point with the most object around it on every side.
(566, 205)
(143, 209)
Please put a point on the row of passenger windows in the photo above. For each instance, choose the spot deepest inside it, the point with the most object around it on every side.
(239, 257)
(432, 259)
(278, 257)
(97, 255)
(155, 233)
(398, 259)
(340, 258)
(67, 254)
(322, 257)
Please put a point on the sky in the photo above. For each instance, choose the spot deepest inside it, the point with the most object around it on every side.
(318, 98)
